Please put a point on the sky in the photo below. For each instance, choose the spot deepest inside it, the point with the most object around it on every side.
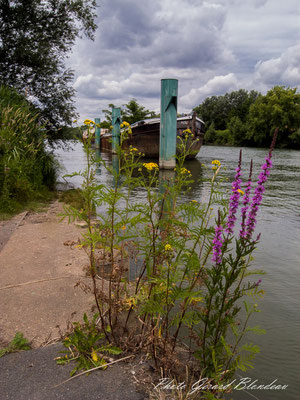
(211, 47)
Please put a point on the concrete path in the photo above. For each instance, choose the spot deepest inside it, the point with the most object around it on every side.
(38, 273)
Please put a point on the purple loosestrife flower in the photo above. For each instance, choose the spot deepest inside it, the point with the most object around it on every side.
(234, 199)
(217, 245)
(259, 190)
(246, 201)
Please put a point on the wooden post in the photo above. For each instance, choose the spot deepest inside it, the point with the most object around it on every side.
(97, 133)
(168, 123)
(116, 122)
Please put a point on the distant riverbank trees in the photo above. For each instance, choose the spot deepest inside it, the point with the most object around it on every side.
(243, 118)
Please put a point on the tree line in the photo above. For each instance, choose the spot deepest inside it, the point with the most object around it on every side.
(243, 118)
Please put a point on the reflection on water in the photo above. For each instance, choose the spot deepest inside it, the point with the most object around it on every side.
(278, 254)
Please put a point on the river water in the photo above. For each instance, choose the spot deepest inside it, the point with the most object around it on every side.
(278, 255)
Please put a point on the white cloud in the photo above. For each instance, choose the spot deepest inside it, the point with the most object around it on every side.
(284, 70)
(211, 47)
(218, 85)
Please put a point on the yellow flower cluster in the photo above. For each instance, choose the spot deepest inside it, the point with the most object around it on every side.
(124, 124)
(194, 201)
(168, 247)
(133, 149)
(216, 164)
(185, 171)
(88, 122)
(187, 131)
(150, 166)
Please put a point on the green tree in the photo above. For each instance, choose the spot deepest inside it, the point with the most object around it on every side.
(220, 109)
(209, 136)
(130, 112)
(134, 112)
(237, 130)
(35, 38)
(213, 110)
(280, 107)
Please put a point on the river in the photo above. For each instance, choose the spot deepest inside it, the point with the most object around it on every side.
(278, 255)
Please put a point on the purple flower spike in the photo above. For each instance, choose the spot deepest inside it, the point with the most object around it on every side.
(217, 245)
(259, 190)
(246, 201)
(234, 199)
(258, 282)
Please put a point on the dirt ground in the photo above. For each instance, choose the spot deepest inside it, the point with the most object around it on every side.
(39, 268)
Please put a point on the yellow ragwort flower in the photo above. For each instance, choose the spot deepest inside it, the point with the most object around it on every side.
(216, 162)
(122, 126)
(94, 356)
(194, 201)
(88, 122)
(133, 149)
(123, 227)
(168, 247)
(150, 166)
(125, 123)
(187, 131)
(185, 171)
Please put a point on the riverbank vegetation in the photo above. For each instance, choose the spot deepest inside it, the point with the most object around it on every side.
(27, 169)
(36, 37)
(171, 279)
(243, 118)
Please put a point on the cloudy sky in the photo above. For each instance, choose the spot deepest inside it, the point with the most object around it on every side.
(211, 47)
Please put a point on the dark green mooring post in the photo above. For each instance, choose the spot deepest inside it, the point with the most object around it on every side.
(168, 123)
(116, 122)
(97, 133)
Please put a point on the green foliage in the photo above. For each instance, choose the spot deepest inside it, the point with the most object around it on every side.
(177, 291)
(237, 131)
(134, 112)
(17, 344)
(280, 107)
(74, 198)
(27, 170)
(249, 119)
(85, 346)
(220, 109)
(35, 38)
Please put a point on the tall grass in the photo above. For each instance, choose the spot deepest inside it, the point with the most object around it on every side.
(27, 170)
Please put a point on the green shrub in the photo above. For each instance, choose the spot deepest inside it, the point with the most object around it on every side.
(26, 168)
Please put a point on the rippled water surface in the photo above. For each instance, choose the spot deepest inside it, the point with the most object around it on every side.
(278, 254)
